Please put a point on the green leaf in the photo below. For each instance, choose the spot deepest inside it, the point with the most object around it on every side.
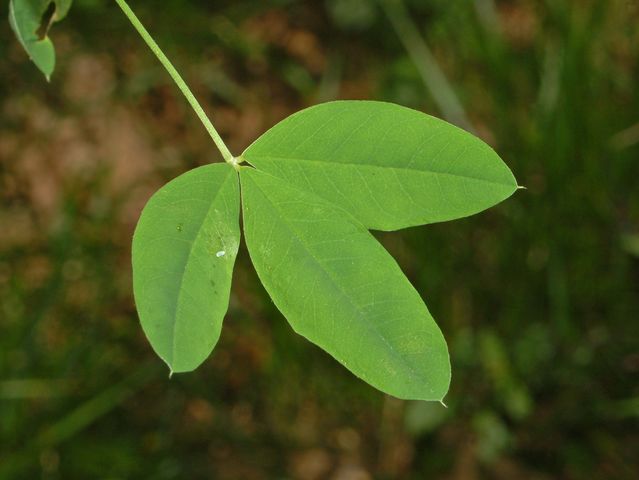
(184, 248)
(391, 167)
(339, 288)
(31, 20)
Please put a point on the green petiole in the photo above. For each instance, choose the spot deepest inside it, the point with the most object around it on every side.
(179, 81)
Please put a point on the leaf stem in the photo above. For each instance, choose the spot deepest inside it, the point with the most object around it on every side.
(179, 81)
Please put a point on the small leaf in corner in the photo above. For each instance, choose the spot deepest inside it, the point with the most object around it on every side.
(30, 21)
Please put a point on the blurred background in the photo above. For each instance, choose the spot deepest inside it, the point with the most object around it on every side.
(538, 297)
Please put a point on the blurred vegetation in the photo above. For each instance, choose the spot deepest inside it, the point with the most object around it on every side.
(538, 297)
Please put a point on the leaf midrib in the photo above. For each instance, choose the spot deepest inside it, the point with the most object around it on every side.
(371, 166)
(370, 326)
(183, 273)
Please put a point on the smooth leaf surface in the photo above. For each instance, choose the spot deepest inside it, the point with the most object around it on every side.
(26, 18)
(391, 167)
(338, 287)
(184, 248)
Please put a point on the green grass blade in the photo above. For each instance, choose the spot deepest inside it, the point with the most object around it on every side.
(95, 408)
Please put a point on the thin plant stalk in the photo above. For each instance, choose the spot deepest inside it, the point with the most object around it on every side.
(179, 81)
